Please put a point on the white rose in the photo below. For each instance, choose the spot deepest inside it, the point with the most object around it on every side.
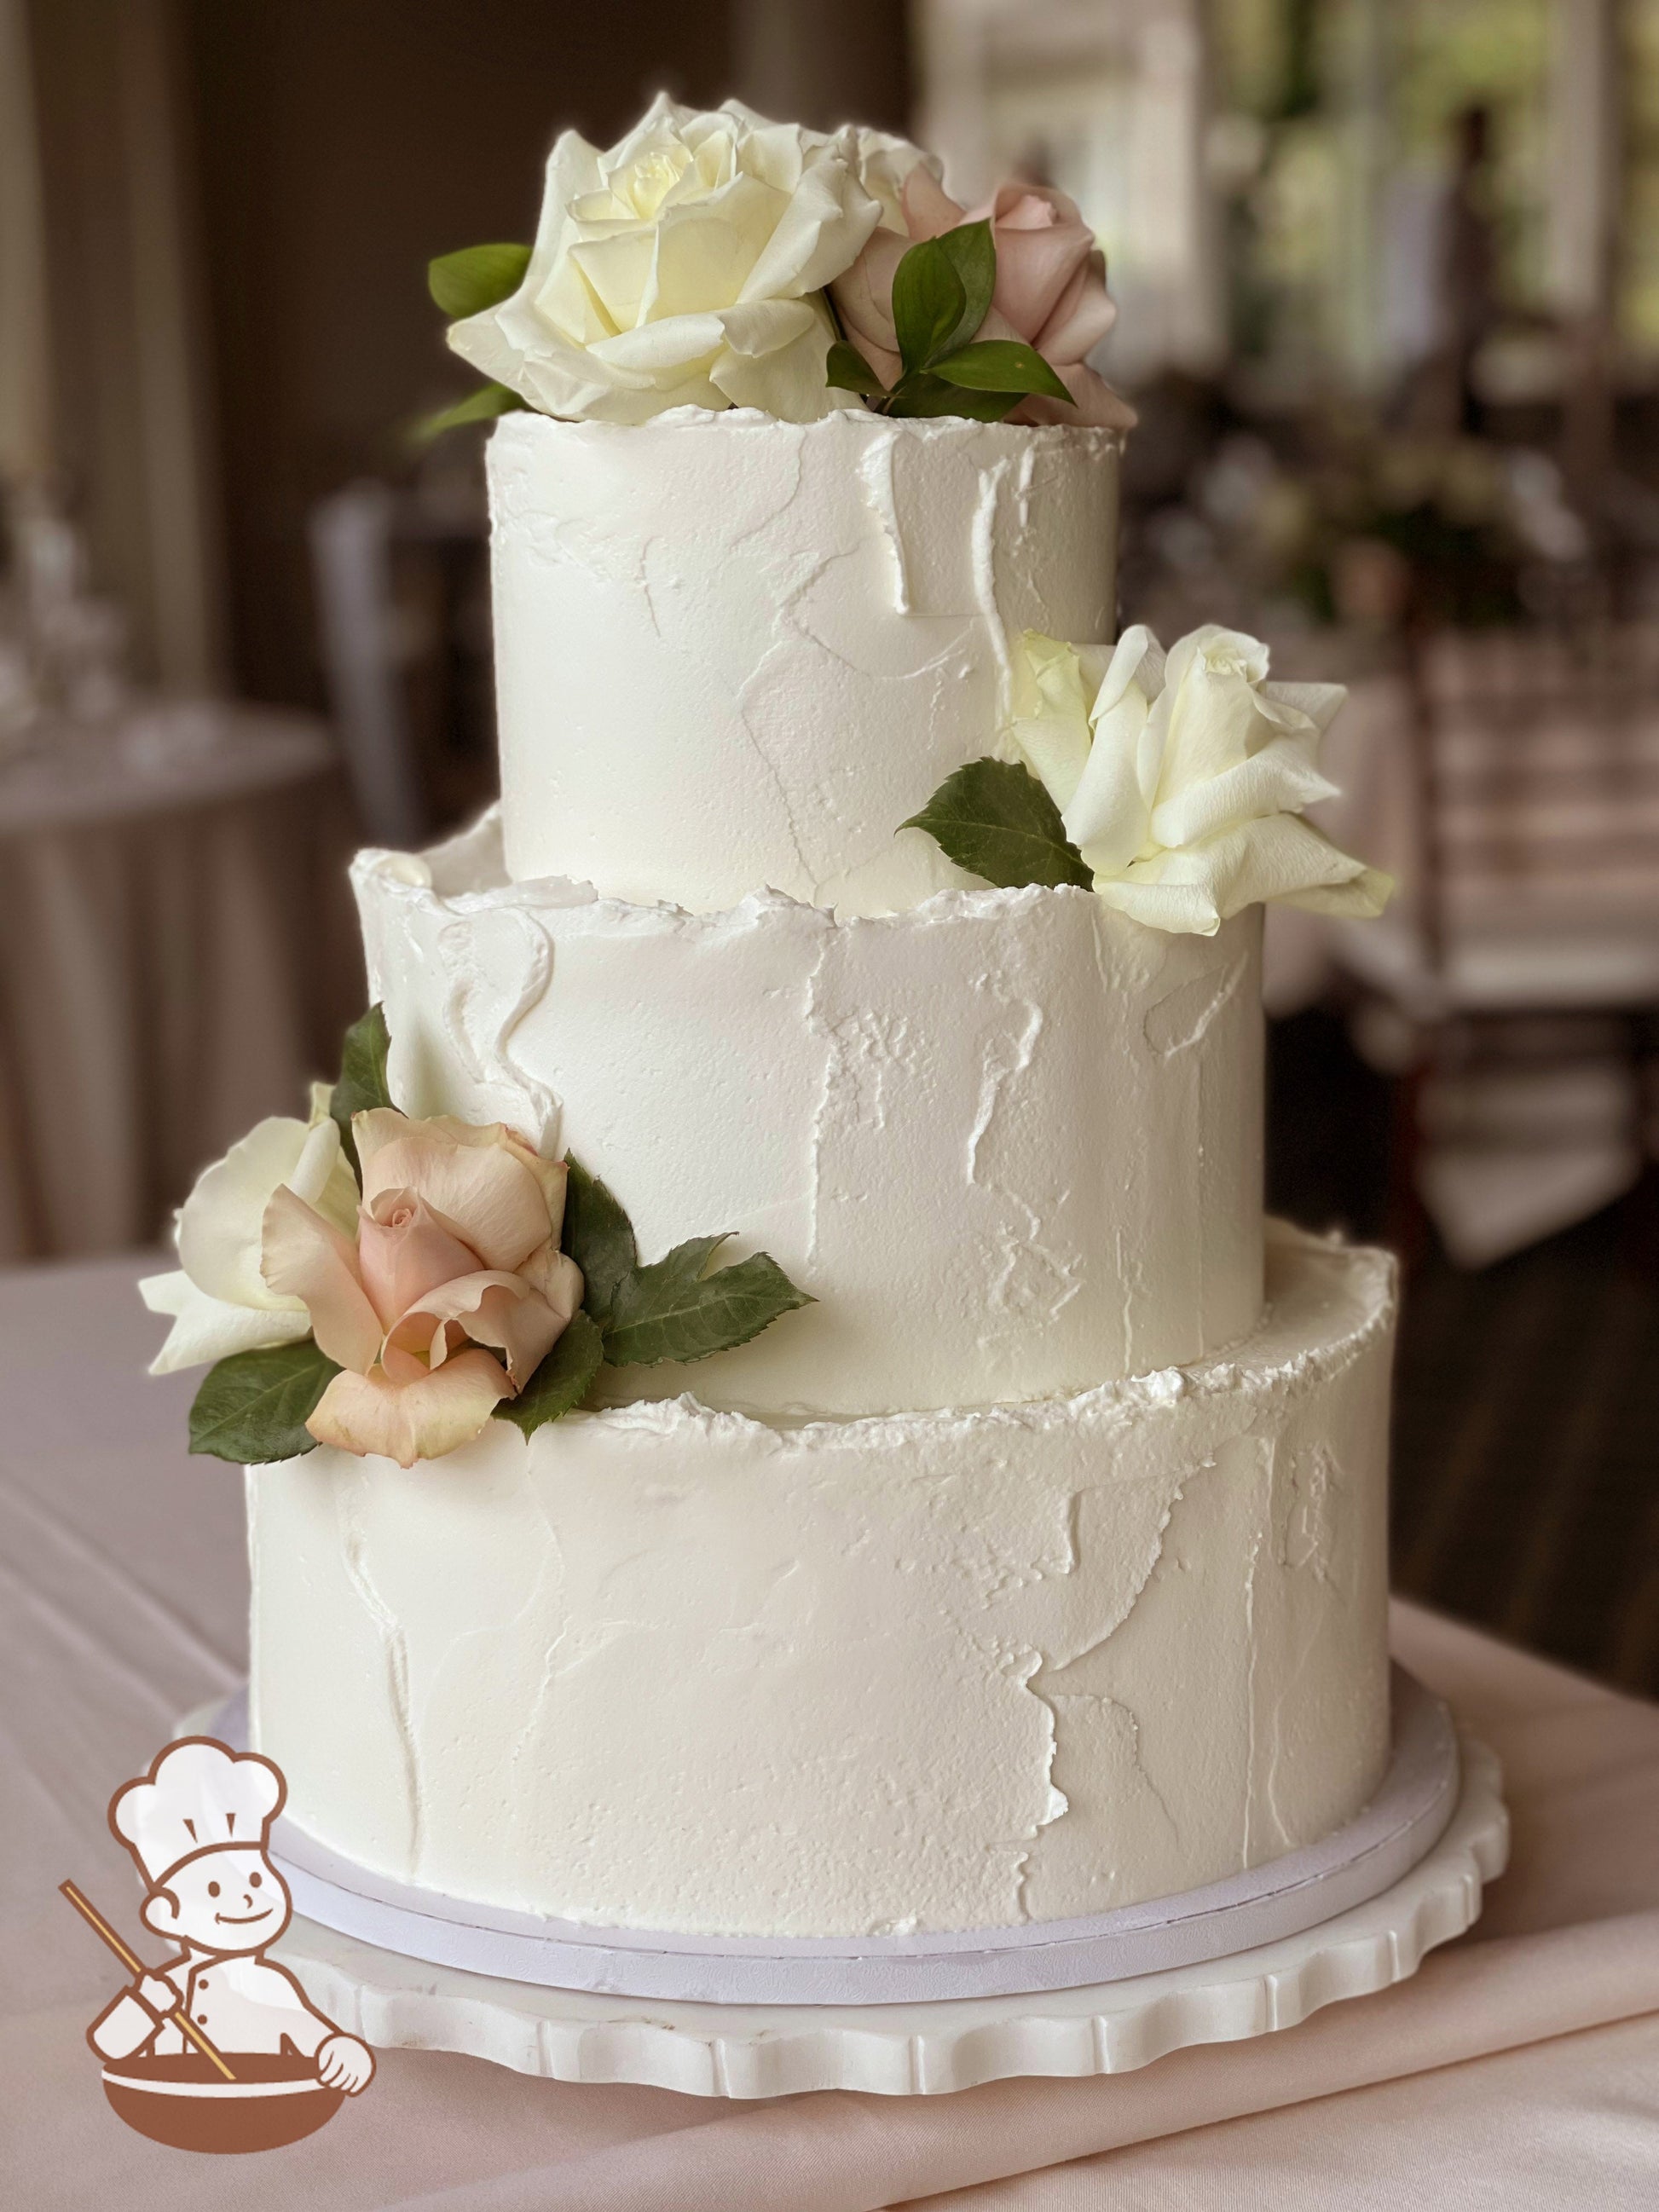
(686, 267)
(218, 1298)
(1181, 779)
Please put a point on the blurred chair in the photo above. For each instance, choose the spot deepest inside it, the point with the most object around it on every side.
(1515, 980)
(401, 577)
(351, 533)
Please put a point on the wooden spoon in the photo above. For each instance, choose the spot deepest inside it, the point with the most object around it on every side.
(180, 2019)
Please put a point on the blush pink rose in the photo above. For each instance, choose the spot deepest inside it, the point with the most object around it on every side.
(447, 1296)
(1050, 291)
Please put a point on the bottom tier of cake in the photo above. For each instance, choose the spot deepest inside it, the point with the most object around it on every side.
(665, 1668)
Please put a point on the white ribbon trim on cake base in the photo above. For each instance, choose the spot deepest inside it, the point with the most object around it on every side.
(1283, 1897)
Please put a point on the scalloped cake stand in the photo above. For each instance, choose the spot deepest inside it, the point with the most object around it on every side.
(911, 2047)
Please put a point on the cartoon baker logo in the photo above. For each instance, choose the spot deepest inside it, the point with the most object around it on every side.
(218, 2048)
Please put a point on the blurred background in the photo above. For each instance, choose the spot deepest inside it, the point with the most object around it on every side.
(1388, 276)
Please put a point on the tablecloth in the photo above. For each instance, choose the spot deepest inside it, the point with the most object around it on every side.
(1520, 2068)
(177, 957)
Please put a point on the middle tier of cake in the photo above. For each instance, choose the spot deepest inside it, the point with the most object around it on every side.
(1009, 1140)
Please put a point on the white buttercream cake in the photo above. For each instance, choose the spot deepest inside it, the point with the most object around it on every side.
(1039, 1566)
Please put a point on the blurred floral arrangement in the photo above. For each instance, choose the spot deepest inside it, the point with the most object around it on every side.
(1378, 530)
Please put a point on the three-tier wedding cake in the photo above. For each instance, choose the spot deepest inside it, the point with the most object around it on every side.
(1024, 1557)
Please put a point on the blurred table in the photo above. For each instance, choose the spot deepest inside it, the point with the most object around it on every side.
(1519, 2068)
(174, 958)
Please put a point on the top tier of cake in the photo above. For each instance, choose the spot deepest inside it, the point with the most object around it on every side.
(734, 653)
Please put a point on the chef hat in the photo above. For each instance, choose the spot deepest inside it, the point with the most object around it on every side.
(197, 1796)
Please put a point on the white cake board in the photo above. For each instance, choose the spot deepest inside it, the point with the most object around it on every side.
(924, 2049)
(1277, 1898)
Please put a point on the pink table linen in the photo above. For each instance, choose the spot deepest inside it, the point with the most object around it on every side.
(1519, 2068)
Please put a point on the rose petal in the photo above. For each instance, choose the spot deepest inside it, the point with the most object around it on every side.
(421, 1420)
(1034, 270)
(324, 1179)
(310, 1259)
(1277, 780)
(1095, 405)
(424, 1343)
(500, 1310)
(864, 297)
(1020, 206)
(826, 221)
(884, 166)
(219, 1223)
(929, 209)
(786, 379)
(1318, 702)
(555, 1276)
(206, 1329)
(1051, 719)
(523, 1328)
(1198, 887)
(1216, 717)
(552, 1176)
(1107, 814)
(404, 1251)
(471, 1178)
(1080, 318)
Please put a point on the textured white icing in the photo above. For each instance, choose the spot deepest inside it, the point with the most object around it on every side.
(1010, 1141)
(734, 653)
(666, 1668)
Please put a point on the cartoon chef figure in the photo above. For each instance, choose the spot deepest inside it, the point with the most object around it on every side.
(196, 1823)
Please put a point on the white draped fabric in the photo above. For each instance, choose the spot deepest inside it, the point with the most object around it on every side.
(177, 957)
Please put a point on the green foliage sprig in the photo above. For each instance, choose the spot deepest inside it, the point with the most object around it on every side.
(941, 295)
(362, 1085)
(677, 1308)
(994, 819)
(465, 283)
(252, 1407)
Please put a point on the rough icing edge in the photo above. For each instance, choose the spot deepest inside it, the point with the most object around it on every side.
(529, 425)
(439, 874)
(1363, 1277)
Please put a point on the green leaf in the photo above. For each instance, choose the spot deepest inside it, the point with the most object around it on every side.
(477, 277)
(362, 1082)
(930, 395)
(929, 303)
(993, 818)
(253, 1406)
(674, 1309)
(561, 1382)
(599, 1236)
(847, 370)
(481, 406)
(974, 255)
(1002, 365)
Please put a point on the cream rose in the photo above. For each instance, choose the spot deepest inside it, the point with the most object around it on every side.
(686, 267)
(1182, 780)
(219, 1301)
(1050, 289)
(452, 1256)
